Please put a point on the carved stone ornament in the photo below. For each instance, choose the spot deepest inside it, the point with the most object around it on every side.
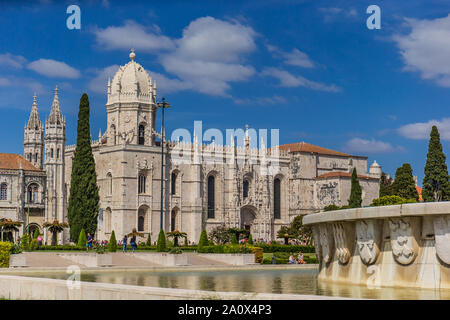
(403, 243)
(442, 237)
(341, 244)
(326, 243)
(368, 235)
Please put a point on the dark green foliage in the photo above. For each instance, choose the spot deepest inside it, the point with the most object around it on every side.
(82, 240)
(149, 240)
(65, 247)
(25, 242)
(436, 186)
(391, 200)
(355, 194)
(385, 185)
(203, 241)
(286, 233)
(331, 207)
(161, 245)
(225, 248)
(234, 239)
(36, 234)
(250, 239)
(84, 199)
(404, 185)
(5, 253)
(275, 247)
(112, 244)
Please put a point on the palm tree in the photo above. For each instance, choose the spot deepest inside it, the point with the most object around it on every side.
(135, 233)
(55, 227)
(175, 234)
(8, 226)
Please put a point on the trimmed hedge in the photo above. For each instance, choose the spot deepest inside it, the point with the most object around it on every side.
(274, 247)
(65, 247)
(259, 254)
(5, 252)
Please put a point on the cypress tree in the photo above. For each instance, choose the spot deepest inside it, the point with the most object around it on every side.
(234, 239)
(84, 199)
(355, 199)
(435, 182)
(112, 244)
(404, 185)
(149, 240)
(385, 185)
(161, 245)
(82, 240)
(250, 239)
(203, 239)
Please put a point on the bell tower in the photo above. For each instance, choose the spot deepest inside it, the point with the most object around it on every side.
(55, 141)
(33, 142)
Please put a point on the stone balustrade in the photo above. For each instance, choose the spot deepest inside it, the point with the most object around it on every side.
(401, 245)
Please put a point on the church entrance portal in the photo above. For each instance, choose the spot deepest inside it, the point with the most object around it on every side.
(248, 214)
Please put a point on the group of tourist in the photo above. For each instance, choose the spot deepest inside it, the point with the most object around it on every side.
(125, 242)
(299, 259)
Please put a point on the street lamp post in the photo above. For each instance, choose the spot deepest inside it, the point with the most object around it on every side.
(163, 105)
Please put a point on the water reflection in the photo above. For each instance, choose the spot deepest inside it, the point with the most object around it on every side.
(270, 281)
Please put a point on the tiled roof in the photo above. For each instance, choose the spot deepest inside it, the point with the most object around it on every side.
(340, 174)
(307, 147)
(14, 161)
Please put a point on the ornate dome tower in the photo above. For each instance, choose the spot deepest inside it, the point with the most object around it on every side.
(131, 105)
(33, 143)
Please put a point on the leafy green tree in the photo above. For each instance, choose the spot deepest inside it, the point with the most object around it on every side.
(404, 185)
(203, 241)
(25, 242)
(391, 200)
(55, 227)
(220, 235)
(82, 240)
(355, 199)
(285, 233)
(149, 241)
(112, 244)
(84, 198)
(161, 244)
(36, 234)
(234, 239)
(436, 186)
(250, 239)
(385, 185)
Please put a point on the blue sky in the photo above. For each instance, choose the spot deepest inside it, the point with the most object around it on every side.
(309, 68)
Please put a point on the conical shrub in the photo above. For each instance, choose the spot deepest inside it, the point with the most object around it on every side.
(112, 244)
(82, 240)
(161, 245)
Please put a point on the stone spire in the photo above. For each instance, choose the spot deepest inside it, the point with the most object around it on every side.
(34, 122)
(55, 114)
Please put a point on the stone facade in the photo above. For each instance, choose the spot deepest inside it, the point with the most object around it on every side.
(237, 185)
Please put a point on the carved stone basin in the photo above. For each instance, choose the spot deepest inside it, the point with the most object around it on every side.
(402, 245)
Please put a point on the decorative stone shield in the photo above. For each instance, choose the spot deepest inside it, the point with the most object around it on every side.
(326, 243)
(403, 241)
(368, 236)
(442, 237)
(340, 241)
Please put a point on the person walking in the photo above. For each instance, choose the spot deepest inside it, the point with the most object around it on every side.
(133, 243)
(90, 239)
(124, 243)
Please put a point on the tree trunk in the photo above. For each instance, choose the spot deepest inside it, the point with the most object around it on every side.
(54, 239)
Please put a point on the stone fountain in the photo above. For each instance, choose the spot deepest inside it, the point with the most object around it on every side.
(404, 245)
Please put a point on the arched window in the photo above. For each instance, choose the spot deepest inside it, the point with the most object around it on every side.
(51, 153)
(173, 220)
(33, 193)
(277, 199)
(173, 189)
(141, 183)
(29, 157)
(35, 157)
(211, 196)
(108, 220)
(57, 153)
(141, 135)
(245, 189)
(109, 183)
(4, 191)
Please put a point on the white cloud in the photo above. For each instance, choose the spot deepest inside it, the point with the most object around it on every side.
(167, 85)
(99, 84)
(54, 69)
(426, 49)
(210, 55)
(289, 80)
(421, 130)
(260, 101)
(331, 14)
(133, 35)
(9, 60)
(358, 145)
(4, 82)
(294, 58)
